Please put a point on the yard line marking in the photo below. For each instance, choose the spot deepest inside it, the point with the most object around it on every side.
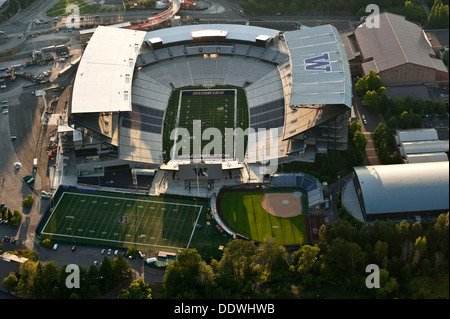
(194, 228)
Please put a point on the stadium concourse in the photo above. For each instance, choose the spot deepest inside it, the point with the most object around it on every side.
(297, 88)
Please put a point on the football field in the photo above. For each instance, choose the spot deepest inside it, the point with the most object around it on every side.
(122, 220)
(203, 115)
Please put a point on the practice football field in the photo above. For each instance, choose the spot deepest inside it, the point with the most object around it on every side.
(121, 221)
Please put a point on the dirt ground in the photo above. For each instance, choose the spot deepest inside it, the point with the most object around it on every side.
(282, 204)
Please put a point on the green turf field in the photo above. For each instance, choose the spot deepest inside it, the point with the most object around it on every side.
(218, 108)
(243, 212)
(95, 218)
(124, 220)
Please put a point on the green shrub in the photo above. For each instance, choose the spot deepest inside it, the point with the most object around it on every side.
(28, 201)
(47, 243)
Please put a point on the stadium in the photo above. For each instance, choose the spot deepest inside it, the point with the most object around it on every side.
(290, 90)
(194, 110)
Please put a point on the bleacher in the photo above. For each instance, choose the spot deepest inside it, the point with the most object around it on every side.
(244, 50)
(266, 101)
(311, 185)
(197, 70)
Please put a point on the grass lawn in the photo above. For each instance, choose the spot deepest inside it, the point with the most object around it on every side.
(243, 212)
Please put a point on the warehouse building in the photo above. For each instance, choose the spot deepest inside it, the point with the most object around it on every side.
(399, 51)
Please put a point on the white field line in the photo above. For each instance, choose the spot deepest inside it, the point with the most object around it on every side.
(193, 229)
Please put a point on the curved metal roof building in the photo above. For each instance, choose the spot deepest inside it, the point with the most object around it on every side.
(395, 191)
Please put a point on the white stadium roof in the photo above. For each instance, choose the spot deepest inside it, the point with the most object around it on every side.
(404, 187)
(228, 31)
(104, 77)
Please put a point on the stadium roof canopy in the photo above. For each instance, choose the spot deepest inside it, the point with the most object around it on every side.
(321, 86)
(104, 76)
(229, 31)
(405, 187)
(321, 74)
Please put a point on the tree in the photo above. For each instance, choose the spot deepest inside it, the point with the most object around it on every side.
(237, 268)
(273, 256)
(445, 58)
(106, 275)
(303, 261)
(91, 288)
(380, 253)
(421, 246)
(372, 100)
(188, 276)
(439, 16)
(419, 252)
(138, 289)
(360, 142)
(48, 279)
(355, 127)
(361, 86)
(16, 218)
(388, 285)
(414, 12)
(10, 282)
(405, 120)
(344, 258)
(373, 81)
(121, 269)
(28, 201)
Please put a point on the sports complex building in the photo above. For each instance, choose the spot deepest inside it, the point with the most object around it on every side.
(201, 115)
(291, 90)
(414, 191)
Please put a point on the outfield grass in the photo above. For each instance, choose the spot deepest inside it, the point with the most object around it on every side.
(123, 220)
(243, 212)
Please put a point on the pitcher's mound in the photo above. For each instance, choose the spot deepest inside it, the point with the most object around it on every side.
(282, 204)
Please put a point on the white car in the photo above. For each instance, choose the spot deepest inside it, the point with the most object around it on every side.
(5, 111)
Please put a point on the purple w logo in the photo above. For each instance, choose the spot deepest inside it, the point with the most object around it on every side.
(318, 63)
